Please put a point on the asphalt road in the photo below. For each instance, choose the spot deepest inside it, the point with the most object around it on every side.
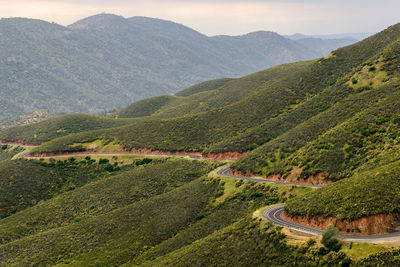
(273, 214)
(225, 172)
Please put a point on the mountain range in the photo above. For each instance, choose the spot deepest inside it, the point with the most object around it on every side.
(186, 179)
(106, 61)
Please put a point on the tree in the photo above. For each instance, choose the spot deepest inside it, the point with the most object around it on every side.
(329, 239)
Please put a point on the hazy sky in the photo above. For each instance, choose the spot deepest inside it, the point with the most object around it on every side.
(225, 17)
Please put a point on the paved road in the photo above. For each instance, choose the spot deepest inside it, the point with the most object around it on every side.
(273, 214)
(225, 172)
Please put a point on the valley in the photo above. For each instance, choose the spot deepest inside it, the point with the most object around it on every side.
(294, 165)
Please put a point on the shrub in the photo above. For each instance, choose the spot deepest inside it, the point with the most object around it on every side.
(103, 161)
(143, 161)
(329, 239)
(346, 262)
(109, 167)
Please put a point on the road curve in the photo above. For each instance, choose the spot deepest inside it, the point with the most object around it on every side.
(225, 172)
(273, 214)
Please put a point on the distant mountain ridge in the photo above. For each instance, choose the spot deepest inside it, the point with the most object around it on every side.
(356, 36)
(106, 61)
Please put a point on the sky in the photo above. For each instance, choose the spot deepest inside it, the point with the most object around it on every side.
(231, 17)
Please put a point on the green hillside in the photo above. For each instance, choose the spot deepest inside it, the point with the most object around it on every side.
(59, 126)
(105, 62)
(24, 183)
(7, 152)
(336, 117)
(364, 194)
(26, 119)
(137, 216)
(280, 115)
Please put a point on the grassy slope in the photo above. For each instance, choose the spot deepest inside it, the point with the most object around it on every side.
(23, 183)
(247, 109)
(241, 244)
(117, 225)
(375, 189)
(102, 196)
(59, 126)
(7, 152)
(108, 238)
(330, 140)
(204, 86)
(213, 94)
(367, 99)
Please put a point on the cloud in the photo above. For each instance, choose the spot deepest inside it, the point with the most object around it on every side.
(223, 16)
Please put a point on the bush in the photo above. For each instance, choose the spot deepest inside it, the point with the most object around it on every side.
(109, 168)
(103, 161)
(329, 239)
(346, 262)
(143, 161)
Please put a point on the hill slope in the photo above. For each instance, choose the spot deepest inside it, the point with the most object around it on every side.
(280, 116)
(106, 61)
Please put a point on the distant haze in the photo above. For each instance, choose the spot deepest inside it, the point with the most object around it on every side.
(233, 17)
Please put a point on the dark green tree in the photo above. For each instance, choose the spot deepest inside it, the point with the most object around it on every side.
(329, 239)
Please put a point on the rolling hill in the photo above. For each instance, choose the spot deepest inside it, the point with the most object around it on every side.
(275, 115)
(106, 62)
(333, 120)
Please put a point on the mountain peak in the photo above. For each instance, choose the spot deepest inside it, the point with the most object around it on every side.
(99, 20)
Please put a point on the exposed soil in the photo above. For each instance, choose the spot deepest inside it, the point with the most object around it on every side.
(161, 152)
(371, 225)
(225, 155)
(317, 179)
(221, 156)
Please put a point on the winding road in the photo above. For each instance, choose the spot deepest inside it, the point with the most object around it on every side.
(273, 214)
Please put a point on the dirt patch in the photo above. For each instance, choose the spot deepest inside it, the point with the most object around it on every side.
(292, 178)
(371, 225)
(161, 152)
(225, 155)
(221, 156)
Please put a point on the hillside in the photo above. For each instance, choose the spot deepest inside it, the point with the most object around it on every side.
(59, 126)
(106, 62)
(157, 213)
(334, 121)
(27, 119)
(279, 116)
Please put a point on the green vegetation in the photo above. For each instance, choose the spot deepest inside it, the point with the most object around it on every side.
(7, 152)
(329, 239)
(59, 126)
(135, 216)
(388, 258)
(367, 193)
(24, 183)
(145, 107)
(204, 86)
(105, 61)
(336, 119)
(287, 117)
(27, 119)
